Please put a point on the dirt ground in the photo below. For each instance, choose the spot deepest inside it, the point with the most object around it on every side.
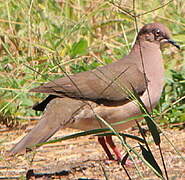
(83, 159)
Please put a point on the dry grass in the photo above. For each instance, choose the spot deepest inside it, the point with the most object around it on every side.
(37, 35)
(84, 158)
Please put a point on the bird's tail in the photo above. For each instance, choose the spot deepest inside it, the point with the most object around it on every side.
(58, 114)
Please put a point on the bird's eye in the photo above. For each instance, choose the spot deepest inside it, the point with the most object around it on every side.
(157, 32)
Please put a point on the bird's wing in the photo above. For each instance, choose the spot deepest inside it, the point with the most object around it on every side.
(112, 82)
(49, 123)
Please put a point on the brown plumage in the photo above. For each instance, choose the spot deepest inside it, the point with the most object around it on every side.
(73, 100)
(103, 85)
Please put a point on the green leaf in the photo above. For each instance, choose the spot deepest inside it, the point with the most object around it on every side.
(89, 132)
(124, 136)
(79, 48)
(27, 102)
(153, 129)
(179, 37)
(148, 156)
(71, 136)
(125, 16)
(151, 125)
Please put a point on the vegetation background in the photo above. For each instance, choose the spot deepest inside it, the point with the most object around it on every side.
(41, 39)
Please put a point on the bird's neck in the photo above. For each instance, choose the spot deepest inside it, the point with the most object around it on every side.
(148, 55)
(151, 63)
(146, 47)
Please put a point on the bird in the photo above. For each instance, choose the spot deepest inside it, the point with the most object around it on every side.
(74, 101)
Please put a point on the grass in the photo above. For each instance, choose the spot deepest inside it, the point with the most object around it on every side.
(38, 38)
(81, 35)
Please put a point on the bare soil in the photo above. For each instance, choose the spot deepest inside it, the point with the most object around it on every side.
(83, 158)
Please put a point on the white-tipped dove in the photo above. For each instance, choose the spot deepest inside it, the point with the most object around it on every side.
(74, 100)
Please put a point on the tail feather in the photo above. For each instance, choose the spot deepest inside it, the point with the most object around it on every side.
(57, 115)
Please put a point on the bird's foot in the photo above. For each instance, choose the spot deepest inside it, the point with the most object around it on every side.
(130, 163)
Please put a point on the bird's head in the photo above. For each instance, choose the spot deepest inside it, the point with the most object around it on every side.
(156, 33)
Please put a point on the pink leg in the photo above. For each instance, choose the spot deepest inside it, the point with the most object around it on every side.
(114, 148)
(118, 153)
(101, 140)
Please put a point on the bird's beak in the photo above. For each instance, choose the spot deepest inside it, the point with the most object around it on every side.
(173, 43)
